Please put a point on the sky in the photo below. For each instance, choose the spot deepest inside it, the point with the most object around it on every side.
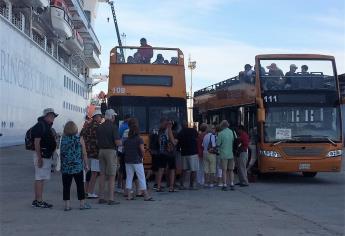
(223, 35)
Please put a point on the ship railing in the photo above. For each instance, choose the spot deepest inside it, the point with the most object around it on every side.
(4, 10)
(218, 86)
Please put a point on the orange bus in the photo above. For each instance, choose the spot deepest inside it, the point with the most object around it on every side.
(147, 91)
(291, 108)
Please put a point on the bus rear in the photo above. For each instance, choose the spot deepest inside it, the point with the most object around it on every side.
(147, 91)
(299, 118)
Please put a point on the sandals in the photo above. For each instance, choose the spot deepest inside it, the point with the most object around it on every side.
(172, 190)
(67, 209)
(130, 199)
(159, 190)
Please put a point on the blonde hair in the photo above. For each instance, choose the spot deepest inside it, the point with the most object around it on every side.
(70, 129)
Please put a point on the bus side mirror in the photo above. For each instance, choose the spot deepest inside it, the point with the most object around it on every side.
(261, 115)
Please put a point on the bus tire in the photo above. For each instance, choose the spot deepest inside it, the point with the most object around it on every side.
(309, 174)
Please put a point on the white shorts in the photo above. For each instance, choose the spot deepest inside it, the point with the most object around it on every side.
(43, 173)
(94, 165)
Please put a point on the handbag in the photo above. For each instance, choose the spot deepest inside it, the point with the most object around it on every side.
(57, 158)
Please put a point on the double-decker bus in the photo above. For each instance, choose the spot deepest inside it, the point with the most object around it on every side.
(293, 118)
(147, 90)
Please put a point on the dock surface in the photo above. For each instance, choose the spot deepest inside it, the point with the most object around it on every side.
(279, 204)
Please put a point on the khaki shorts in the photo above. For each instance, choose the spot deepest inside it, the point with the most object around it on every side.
(190, 162)
(210, 163)
(107, 161)
(44, 172)
(228, 164)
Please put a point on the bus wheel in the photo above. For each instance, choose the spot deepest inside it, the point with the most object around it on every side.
(309, 174)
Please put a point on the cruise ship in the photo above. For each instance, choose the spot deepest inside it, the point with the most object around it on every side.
(47, 51)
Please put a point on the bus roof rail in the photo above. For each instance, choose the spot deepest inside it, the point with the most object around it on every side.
(294, 56)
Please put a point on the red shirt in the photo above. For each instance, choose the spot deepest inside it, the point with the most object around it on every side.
(199, 144)
(146, 53)
(244, 139)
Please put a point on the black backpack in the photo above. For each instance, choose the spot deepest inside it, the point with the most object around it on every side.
(154, 142)
(29, 139)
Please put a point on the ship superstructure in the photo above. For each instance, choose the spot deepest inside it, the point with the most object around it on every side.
(47, 49)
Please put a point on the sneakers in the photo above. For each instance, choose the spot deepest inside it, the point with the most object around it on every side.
(41, 204)
(92, 195)
(86, 206)
(112, 202)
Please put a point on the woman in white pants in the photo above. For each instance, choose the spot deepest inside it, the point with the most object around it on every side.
(134, 153)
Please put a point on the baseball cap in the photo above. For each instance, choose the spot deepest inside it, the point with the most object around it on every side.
(49, 110)
(110, 112)
(97, 112)
(293, 66)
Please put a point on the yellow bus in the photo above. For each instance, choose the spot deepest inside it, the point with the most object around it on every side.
(294, 118)
(147, 90)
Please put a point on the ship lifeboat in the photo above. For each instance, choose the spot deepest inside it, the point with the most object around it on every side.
(75, 43)
(60, 19)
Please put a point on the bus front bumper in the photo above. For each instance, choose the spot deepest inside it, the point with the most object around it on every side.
(269, 164)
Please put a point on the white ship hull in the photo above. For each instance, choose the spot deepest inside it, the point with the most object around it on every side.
(31, 80)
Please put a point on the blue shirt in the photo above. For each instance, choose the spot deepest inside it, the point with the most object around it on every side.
(122, 128)
(71, 155)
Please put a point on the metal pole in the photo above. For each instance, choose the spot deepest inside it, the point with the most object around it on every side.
(111, 3)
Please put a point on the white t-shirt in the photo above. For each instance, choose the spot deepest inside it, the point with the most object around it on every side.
(209, 137)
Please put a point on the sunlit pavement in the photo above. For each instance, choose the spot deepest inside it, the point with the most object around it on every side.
(276, 205)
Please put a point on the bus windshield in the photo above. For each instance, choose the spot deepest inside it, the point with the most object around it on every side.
(302, 124)
(297, 75)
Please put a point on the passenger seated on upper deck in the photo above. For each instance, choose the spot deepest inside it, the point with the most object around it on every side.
(304, 70)
(274, 80)
(130, 60)
(145, 51)
(247, 75)
(290, 74)
(159, 59)
(173, 60)
(137, 58)
(166, 62)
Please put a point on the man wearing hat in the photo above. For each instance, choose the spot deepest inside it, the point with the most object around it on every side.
(45, 145)
(107, 139)
(89, 135)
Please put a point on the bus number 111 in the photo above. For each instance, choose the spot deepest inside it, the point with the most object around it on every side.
(270, 99)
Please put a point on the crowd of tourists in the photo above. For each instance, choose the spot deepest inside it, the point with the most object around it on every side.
(113, 156)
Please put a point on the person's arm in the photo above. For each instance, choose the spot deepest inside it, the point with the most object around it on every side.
(117, 137)
(142, 150)
(171, 136)
(219, 140)
(84, 153)
(38, 152)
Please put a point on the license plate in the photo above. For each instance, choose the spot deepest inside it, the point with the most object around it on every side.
(304, 166)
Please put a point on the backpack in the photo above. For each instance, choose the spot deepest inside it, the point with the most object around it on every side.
(236, 145)
(210, 148)
(154, 142)
(29, 140)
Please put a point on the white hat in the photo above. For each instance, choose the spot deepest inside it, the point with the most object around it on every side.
(96, 112)
(49, 110)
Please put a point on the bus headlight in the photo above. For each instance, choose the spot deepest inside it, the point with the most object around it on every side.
(335, 153)
(270, 153)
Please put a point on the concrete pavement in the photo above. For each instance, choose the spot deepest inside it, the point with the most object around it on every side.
(285, 204)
